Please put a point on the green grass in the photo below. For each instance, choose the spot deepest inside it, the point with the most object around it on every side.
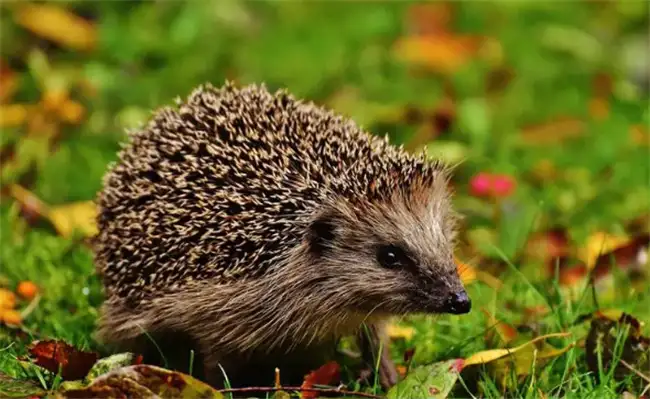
(149, 53)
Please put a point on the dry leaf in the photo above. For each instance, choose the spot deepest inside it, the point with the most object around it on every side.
(72, 112)
(10, 317)
(427, 19)
(639, 135)
(494, 354)
(8, 82)
(553, 132)
(597, 244)
(395, 331)
(443, 54)
(13, 114)
(52, 355)
(27, 290)
(58, 25)
(631, 256)
(70, 217)
(7, 299)
(466, 272)
(327, 374)
(606, 339)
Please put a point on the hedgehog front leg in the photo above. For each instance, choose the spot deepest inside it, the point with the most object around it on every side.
(370, 340)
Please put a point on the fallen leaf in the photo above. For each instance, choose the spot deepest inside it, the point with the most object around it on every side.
(431, 381)
(113, 362)
(442, 53)
(143, 381)
(428, 19)
(30, 205)
(7, 299)
(13, 114)
(75, 216)
(57, 24)
(27, 290)
(10, 317)
(14, 388)
(506, 332)
(466, 272)
(549, 245)
(327, 374)
(490, 355)
(395, 332)
(72, 112)
(639, 135)
(52, 355)
(607, 336)
(8, 82)
(554, 132)
(631, 256)
(599, 108)
(597, 244)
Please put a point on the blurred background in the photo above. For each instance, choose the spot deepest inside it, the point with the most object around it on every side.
(544, 105)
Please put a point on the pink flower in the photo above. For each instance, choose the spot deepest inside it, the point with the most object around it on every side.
(503, 185)
(481, 184)
(492, 185)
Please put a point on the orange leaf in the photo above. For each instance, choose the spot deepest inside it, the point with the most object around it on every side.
(324, 375)
(8, 82)
(639, 135)
(599, 108)
(10, 317)
(27, 290)
(7, 299)
(427, 19)
(440, 53)
(53, 355)
(553, 132)
(58, 25)
(72, 111)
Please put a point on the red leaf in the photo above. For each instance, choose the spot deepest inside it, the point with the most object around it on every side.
(324, 375)
(53, 355)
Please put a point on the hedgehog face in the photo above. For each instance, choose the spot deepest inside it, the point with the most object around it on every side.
(395, 258)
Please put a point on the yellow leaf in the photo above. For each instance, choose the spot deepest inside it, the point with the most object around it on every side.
(72, 111)
(57, 24)
(70, 217)
(442, 53)
(466, 272)
(597, 244)
(395, 331)
(7, 299)
(490, 355)
(13, 114)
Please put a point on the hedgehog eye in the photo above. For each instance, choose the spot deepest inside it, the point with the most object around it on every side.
(393, 257)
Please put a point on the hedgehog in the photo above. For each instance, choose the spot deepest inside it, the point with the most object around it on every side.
(260, 229)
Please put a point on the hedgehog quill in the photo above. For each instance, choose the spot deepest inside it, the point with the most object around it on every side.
(259, 229)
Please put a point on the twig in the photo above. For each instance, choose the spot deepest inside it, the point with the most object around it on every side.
(635, 371)
(318, 390)
(30, 308)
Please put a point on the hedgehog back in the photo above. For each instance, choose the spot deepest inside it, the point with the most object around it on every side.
(223, 187)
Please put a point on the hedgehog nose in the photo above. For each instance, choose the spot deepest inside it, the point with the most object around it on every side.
(458, 303)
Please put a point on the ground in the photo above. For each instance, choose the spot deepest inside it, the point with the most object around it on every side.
(542, 106)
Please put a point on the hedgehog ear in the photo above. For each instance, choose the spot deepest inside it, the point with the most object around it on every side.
(321, 233)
